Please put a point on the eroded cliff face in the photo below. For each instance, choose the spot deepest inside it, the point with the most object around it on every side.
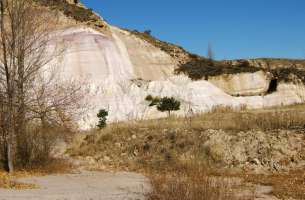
(272, 74)
(120, 75)
(121, 69)
(114, 66)
(149, 62)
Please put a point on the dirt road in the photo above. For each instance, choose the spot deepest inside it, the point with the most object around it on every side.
(82, 186)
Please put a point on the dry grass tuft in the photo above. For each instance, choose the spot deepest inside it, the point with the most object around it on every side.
(227, 118)
(193, 182)
(53, 166)
(140, 143)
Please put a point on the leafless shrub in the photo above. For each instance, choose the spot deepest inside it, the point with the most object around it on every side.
(29, 93)
(38, 143)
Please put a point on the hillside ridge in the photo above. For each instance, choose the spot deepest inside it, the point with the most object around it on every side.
(187, 61)
(123, 67)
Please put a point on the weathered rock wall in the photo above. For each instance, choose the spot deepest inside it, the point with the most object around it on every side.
(122, 70)
(149, 62)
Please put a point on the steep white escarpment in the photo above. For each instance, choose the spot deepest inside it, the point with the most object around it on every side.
(96, 56)
(121, 70)
(149, 62)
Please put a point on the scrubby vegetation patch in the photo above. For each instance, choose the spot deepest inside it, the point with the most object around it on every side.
(198, 68)
(71, 10)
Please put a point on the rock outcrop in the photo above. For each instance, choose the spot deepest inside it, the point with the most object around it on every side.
(149, 62)
(122, 70)
(274, 151)
(243, 84)
(122, 67)
(262, 151)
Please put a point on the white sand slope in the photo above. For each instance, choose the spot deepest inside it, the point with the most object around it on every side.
(110, 64)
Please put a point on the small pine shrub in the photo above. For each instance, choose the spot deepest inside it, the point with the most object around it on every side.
(168, 104)
(102, 116)
(164, 104)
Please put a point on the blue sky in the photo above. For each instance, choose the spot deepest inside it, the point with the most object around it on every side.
(235, 28)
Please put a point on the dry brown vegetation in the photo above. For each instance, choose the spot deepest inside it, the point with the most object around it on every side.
(7, 181)
(285, 185)
(71, 10)
(226, 118)
(192, 181)
(163, 148)
(173, 50)
(185, 132)
(53, 166)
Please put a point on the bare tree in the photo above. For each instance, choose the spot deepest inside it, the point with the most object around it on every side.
(57, 100)
(25, 50)
(55, 104)
(210, 53)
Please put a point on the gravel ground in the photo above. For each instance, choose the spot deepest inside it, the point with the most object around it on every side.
(82, 186)
(97, 186)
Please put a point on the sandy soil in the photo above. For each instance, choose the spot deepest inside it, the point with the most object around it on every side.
(82, 186)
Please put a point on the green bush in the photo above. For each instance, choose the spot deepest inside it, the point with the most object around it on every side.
(102, 115)
(165, 104)
(153, 100)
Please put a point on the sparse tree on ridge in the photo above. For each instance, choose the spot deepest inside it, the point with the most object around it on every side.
(148, 32)
(210, 54)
